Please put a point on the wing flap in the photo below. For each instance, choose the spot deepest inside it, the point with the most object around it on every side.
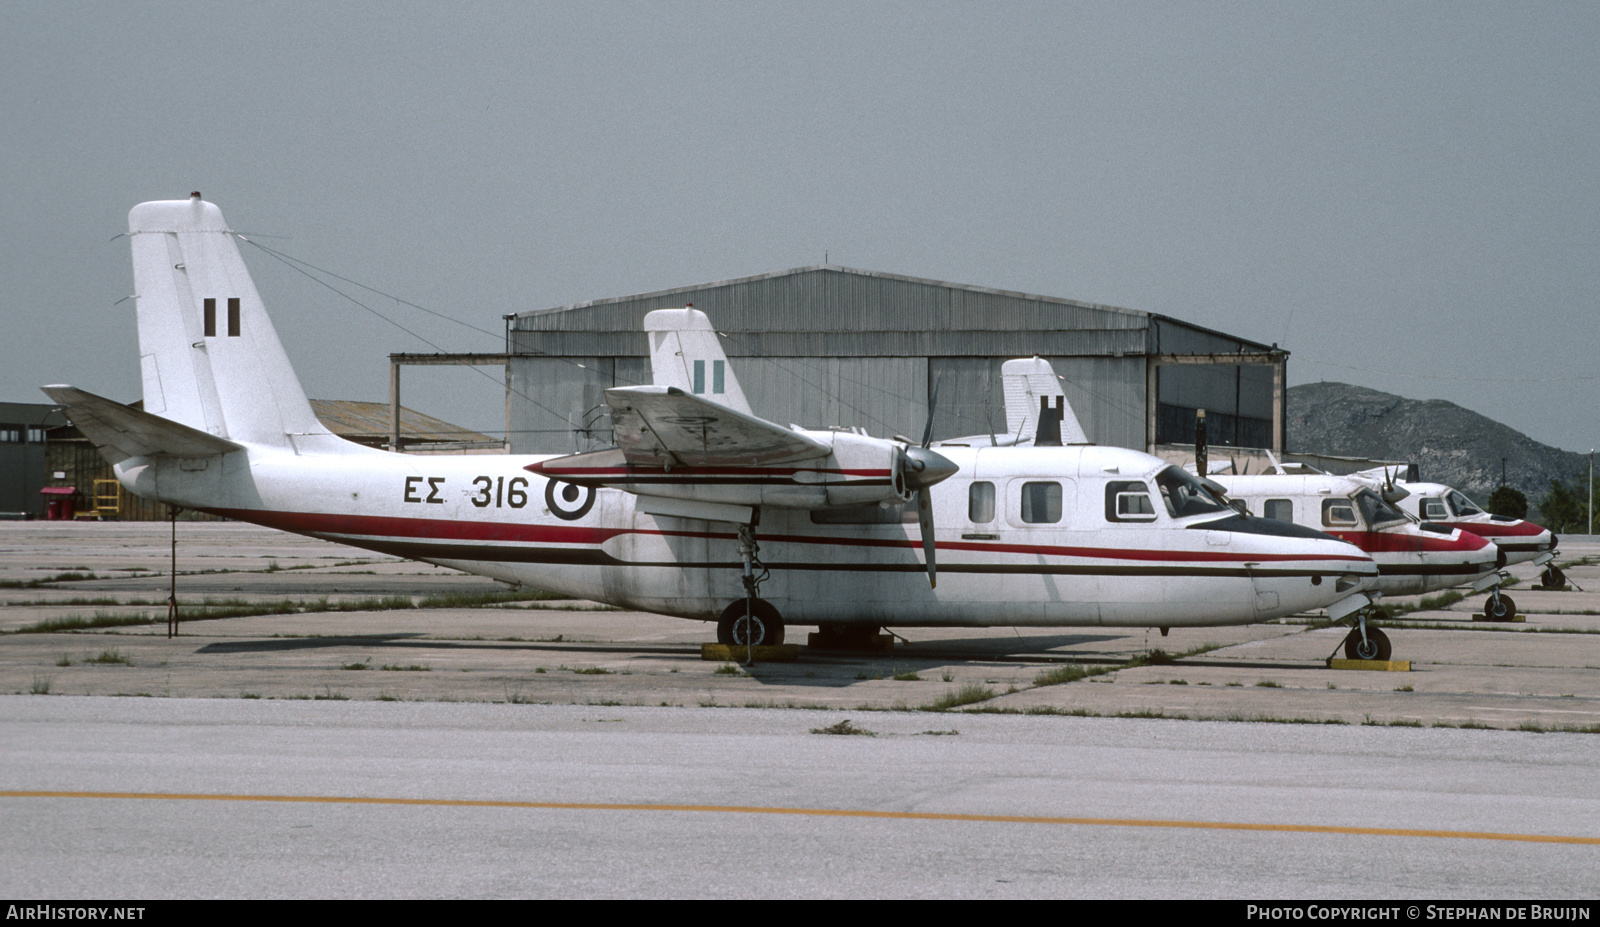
(121, 432)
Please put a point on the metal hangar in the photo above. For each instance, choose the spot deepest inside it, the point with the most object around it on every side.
(828, 346)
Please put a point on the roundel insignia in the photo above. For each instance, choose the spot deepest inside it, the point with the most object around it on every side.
(570, 501)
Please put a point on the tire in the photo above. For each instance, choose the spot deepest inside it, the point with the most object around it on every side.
(1553, 577)
(1375, 647)
(767, 624)
(1499, 608)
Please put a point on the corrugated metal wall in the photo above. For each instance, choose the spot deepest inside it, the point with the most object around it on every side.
(825, 346)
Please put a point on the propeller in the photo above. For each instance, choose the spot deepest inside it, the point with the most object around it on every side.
(1392, 493)
(921, 470)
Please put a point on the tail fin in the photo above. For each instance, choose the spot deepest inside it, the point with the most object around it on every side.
(1031, 388)
(685, 352)
(209, 355)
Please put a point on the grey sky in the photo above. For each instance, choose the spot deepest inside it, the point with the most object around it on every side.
(1405, 196)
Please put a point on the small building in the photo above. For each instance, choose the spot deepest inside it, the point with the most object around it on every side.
(24, 470)
(369, 423)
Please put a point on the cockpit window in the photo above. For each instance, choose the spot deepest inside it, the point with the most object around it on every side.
(1434, 510)
(1462, 505)
(1185, 495)
(1376, 512)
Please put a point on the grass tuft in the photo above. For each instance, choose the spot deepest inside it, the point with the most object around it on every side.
(844, 727)
(969, 694)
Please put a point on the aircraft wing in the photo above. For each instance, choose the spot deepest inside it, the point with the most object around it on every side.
(663, 426)
(121, 432)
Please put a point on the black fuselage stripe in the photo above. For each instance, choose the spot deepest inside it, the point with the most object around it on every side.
(1461, 569)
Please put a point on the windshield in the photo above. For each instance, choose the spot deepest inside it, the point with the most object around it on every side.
(1463, 505)
(1376, 512)
(1184, 495)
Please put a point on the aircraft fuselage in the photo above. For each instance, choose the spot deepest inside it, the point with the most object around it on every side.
(1041, 550)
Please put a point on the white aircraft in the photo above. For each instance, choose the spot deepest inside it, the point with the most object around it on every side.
(1521, 541)
(1412, 558)
(668, 521)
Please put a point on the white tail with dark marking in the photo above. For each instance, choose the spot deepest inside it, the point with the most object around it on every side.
(1031, 386)
(686, 353)
(209, 355)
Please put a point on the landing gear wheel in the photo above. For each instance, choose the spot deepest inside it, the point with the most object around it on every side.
(763, 627)
(1553, 577)
(1375, 647)
(1499, 608)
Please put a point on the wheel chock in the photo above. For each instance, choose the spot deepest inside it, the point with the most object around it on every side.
(735, 653)
(874, 644)
(1382, 666)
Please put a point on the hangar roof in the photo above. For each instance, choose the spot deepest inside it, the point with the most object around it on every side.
(826, 310)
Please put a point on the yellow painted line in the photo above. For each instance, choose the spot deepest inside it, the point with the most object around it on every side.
(827, 812)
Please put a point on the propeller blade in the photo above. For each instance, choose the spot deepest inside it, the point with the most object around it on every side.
(933, 403)
(925, 521)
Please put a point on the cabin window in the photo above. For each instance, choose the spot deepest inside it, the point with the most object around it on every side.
(980, 502)
(1434, 510)
(1279, 510)
(1339, 513)
(1129, 500)
(1041, 503)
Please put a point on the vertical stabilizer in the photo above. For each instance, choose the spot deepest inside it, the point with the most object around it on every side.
(209, 355)
(685, 352)
(1033, 389)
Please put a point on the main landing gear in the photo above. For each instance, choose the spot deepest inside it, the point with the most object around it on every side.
(750, 621)
(753, 623)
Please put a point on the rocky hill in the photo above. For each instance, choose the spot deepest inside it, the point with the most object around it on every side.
(1448, 443)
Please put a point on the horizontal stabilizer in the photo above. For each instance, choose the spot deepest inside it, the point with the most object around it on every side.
(121, 432)
(665, 426)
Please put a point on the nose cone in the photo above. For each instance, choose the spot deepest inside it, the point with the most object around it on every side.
(924, 468)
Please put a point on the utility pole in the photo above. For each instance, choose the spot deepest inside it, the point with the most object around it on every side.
(1591, 490)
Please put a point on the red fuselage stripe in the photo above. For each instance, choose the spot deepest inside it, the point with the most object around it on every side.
(440, 529)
